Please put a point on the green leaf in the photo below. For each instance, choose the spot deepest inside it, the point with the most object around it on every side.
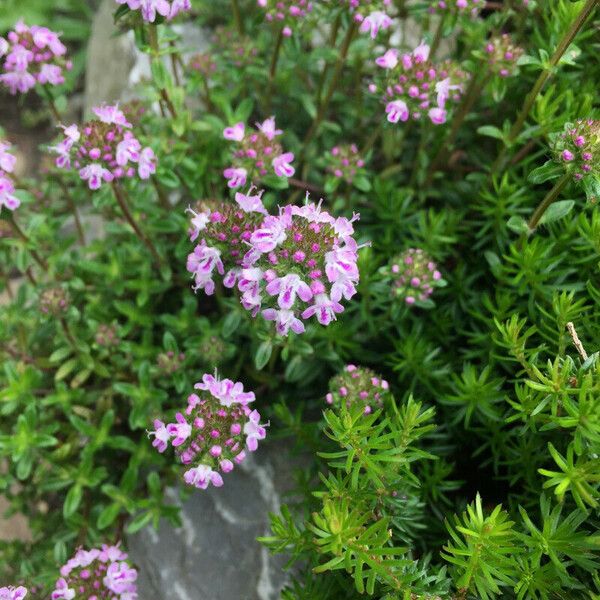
(491, 131)
(73, 500)
(549, 170)
(362, 183)
(108, 515)
(65, 369)
(263, 354)
(557, 211)
(139, 521)
(517, 224)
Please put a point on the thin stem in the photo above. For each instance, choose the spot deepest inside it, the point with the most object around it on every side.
(119, 195)
(237, 16)
(155, 47)
(273, 67)
(322, 110)
(68, 334)
(415, 166)
(51, 104)
(551, 197)
(9, 291)
(372, 139)
(20, 233)
(174, 63)
(437, 36)
(304, 185)
(73, 207)
(162, 198)
(562, 47)
(471, 95)
(332, 40)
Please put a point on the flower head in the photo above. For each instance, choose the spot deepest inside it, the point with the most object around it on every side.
(458, 7)
(370, 14)
(412, 86)
(104, 149)
(258, 153)
(7, 186)
(285, 12)
(577, 148)
(345, 162)
(358, 385)
(413, 276)
(13, 593)
(54, 301)
(502, 55)
(213, 433)
(31, 56)
(151, 9)
(97, 573)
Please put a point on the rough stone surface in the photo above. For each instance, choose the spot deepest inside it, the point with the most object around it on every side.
(215, 555)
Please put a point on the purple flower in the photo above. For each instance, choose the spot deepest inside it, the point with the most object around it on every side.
(286, 288)
(111, 114)
(269, 129)
(389, 60)
(249, 203)
(375, 22)
(12, 593)
(284, 320)
(32, 55)
(282, 166)
(7, 160)
(254, 431)
(285, 12)
(181, 430)
(201, 476)
(7, 197)
(95, 174)
(235, 133)
(161, 436)
(146, 163)
(397, 111)
(236, 177)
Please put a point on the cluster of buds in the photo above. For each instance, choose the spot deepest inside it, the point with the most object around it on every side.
(345, 162)
(203, 63)
(104, 149)
(212, 350)
(415, 85)
(95, 574)
(503, 55)
(370, 14)
(151, 9)
(107, 336)
(169, 362)
(235, 49)
(289, 267)
(13, 593)
(358, 386)
(578, 148)
(7, 186)
(32, 55)
(414, 276)
(258, 153)
(214, 431)
(458, 7)
(285, 12)
(54, 301)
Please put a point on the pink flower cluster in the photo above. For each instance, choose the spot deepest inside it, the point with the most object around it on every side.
(96, 574)
(578, 148)
(414, 276)
(414, 85)
(258, 153)
(285, 12)
(32, 55)
(289, 267)
(212, 432)
(358, 385)
(7, 186)
(371, 15)
(12, 593)
(471, 7)
(104, 149)
(150, 9)
(503, 55)
(345, 162)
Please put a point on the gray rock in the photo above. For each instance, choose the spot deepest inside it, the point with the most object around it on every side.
(215, 555)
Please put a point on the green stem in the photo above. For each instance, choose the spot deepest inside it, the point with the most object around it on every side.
(75, 212)
(562, 47)
(21, 234)
(119, 195)
(162, 198)
(155, 47)
(437, 37)
(422, 146)
(339, 66)
(551, 197)
(273, 67)
(471, 95)
(332, 40)
(68, 334)
(237, 16)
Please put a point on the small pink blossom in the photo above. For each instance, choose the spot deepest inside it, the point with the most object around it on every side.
(235, 133)
(282, 166)
(236, 177)
(375, 22)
